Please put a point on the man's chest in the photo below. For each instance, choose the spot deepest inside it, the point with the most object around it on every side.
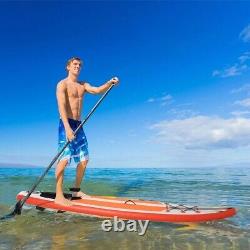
(75, 91)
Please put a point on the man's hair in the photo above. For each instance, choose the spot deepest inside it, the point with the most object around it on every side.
(72, 59)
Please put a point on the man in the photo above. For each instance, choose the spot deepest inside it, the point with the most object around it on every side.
(70, 93)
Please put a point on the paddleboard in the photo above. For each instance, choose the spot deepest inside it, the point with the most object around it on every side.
(128, 208)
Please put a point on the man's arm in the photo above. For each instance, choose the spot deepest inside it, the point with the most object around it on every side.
(61, 100)
(98, 90)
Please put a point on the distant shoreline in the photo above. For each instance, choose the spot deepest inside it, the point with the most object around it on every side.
(23, 165)
(17, 165)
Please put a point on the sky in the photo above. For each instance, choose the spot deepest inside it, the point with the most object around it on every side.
(184, 93)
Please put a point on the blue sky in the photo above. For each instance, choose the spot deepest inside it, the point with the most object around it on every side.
(184, 96)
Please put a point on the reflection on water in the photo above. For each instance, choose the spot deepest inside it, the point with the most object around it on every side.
(45, 230)
(48, 230)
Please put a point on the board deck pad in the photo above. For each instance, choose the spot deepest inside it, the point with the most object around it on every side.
(127, 208)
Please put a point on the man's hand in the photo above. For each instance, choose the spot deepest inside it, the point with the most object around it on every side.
(114, 80)
(101, 89)
(70, 134)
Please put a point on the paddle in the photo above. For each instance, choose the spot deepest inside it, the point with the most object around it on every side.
(20, 203)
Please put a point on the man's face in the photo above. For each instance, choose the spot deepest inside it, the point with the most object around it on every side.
(74, 67)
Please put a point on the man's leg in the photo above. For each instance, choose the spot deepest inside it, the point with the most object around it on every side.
(60, 199)
(79, 175)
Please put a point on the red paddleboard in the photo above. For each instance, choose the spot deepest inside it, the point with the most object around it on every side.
(128, 208)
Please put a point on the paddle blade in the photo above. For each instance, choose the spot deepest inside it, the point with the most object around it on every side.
(17, 210)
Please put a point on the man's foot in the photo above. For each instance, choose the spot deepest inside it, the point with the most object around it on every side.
(62, 201)
(79, 194)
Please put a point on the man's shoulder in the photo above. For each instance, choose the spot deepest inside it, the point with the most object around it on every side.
(63, 81)
(62, 84)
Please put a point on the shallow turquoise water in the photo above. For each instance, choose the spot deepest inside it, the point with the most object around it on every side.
(204, 187)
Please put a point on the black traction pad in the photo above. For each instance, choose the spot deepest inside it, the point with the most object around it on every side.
(52, 195)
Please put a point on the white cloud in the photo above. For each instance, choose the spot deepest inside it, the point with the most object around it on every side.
(240, 113)
(245, 57)
(203, 132)
(182, 113)
(235, 70)
(151, 100)
(167, 99)
(164, 100)
(245, 34)
(216, 72)
(241, 66)
(243, 103)
(244, 88)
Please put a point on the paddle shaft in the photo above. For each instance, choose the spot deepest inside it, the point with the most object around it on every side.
(20, 203)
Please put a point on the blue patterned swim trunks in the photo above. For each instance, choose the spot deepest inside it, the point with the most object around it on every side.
(78, 148)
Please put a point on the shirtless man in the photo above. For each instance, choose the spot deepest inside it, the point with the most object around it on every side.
(70, 92)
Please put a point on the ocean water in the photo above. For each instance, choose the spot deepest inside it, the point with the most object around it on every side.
(203, 187)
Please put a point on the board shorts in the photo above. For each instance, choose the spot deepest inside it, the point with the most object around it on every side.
(78, 148)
